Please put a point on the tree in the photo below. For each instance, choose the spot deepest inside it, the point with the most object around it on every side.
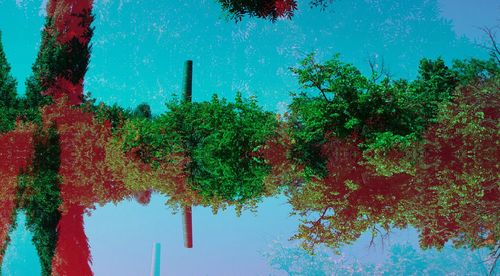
(396, 154)
(380, 112)
(39, 195)
(8, 94)
(57, 78)
(143, 111)
(218, 138)
(64, 54)
(267, 9)
(16, 155)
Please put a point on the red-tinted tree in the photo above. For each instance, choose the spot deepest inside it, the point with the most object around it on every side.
(16, 155)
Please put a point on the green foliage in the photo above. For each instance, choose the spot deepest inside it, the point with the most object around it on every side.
(475, 70)
(334, 77)
(150, 141)
(309, 121)
(39, 196)
(350, 103)
(143, 111)
(8, 95)
(47, 64)
(220, 138)
(114, 114)
(434, 84)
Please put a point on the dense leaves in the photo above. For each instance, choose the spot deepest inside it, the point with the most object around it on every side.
(8, 95)
(268, 9)
(39, 195)
(220, 139)
(395, 154)
(459, 177)
(16, 155)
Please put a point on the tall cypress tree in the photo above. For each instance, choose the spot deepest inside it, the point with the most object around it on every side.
(39, 196)
(44, 69)
(57, 72)
(8, 94)
(64, 54)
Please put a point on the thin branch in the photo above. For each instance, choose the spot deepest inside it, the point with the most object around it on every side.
(496, 254)
(494, 48)
(317, 83)
(377, 73)
(318, 221)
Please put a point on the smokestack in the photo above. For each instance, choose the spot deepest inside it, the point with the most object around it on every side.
(188, 80)
(187, 211)
(188, 227)
(155, 260)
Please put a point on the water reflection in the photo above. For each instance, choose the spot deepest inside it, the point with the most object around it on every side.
(20, 256)
(344, 180)
(353, 153)
(402, 259)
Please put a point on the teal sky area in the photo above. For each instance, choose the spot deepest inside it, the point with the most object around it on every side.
(139, 46)
(138, 51)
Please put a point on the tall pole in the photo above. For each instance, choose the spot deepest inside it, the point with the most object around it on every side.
(188, 81)
(155, 260)
(187, 210)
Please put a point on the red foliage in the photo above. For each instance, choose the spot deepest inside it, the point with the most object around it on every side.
(379, 194)
(16, 151)
(459, 183)
(86, 178)
(16, 154)
(71, 19)
(72, 255)
(285, 8)
(143, 197)
(62, 88)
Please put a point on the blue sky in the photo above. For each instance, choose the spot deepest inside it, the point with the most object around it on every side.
(138, 51)
(139, 46)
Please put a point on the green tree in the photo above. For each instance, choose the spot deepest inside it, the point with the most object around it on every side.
(397, 153)
(143, 111)
(351, 103)
(44, 68)
(8, 94)
(39, 196)
(221, 140)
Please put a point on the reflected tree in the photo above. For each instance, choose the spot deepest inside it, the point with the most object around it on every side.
(362, 153)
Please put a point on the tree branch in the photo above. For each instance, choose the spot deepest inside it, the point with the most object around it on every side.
(494, 50)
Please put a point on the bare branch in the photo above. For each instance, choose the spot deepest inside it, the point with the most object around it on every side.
(496, 255)
(493, 48)
(317, 222)
(377, 71)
